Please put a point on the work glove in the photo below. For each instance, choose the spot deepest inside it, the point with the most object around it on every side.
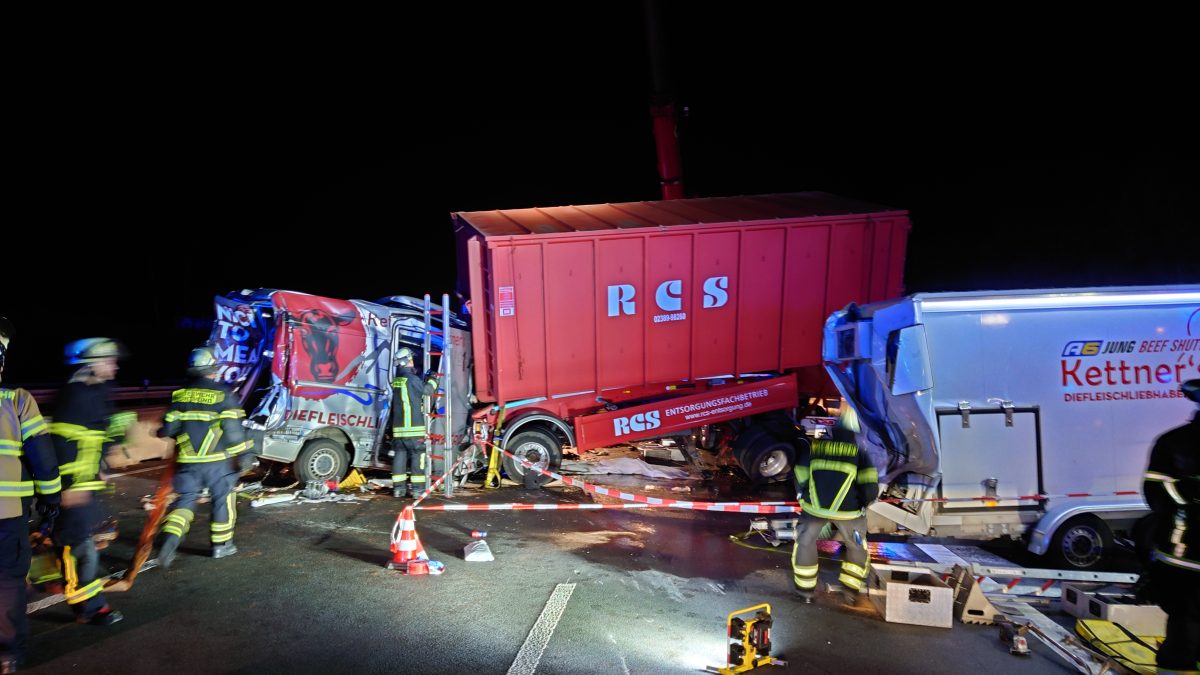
(49, 515)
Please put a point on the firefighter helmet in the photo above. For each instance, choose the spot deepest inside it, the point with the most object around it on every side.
(848, 419)
(405, 354)
(90, 350)
(1191, 389)
(202, 361)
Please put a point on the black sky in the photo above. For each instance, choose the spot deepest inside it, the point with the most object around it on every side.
(157, 164)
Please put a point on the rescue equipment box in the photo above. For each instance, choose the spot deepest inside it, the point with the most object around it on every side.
(1115, 604)
(911, 595)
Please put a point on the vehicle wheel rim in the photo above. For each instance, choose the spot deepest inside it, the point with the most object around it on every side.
(531, 452)
(1082, 546)
(322, 464)
(773, 464)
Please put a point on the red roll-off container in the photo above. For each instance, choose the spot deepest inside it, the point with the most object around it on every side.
(576, 299)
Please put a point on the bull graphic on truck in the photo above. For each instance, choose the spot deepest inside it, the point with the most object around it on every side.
(319, 335)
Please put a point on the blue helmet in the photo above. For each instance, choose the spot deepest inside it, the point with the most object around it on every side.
(90, 350)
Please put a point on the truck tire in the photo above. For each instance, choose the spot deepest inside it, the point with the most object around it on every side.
(322, 459)
(766, 457)
(1081, 542)
(537, 447)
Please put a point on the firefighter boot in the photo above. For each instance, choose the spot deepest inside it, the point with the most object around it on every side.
(105, 617)
(849, 597)
(805, 595)
(166, 552)
(223, 550)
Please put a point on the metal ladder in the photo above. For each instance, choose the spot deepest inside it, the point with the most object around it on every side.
(444, 377)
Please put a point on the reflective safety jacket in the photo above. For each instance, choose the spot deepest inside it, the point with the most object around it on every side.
(85, 425)
(206, 423)
(835, 480)
(27, 463)
(408, 416)
(1172, 487)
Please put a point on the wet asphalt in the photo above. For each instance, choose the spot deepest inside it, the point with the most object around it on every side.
(650, 591)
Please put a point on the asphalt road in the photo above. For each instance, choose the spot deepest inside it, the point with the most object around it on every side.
(649, 592)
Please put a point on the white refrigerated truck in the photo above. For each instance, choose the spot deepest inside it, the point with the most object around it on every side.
(1047, 401)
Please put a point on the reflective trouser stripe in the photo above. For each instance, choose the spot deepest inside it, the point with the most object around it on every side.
(223, 531)
(74, 593)
(399, 478)
(178, 522)
(805, 577)
(418, 478)
(852, 575)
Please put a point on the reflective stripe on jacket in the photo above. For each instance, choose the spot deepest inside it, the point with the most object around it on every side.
(27, 462)
(1172, 488)
(835, 480)
(206, 423)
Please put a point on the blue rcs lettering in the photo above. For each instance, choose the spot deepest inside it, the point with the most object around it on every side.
(636, 423)
(1083, 348)
(668, 296)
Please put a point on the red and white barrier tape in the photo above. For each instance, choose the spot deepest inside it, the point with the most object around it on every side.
(646, 501)
(438, 481)
(638, 501)
(727, 507)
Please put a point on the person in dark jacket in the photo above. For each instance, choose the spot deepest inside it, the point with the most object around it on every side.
(206, 422)
(28, 468)
(1172, 488)
(835, 483)
(85, 425)
(408, 427)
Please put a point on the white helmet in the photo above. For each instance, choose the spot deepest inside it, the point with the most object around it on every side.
(404, 354)
(202, 361)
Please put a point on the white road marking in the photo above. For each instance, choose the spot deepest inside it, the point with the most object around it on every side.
(531, 652)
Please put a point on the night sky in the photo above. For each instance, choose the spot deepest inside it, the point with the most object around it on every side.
(148, 174)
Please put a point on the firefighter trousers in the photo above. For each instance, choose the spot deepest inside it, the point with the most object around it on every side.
(78, 559)
(15, 554)
(1177, 592)
(854, 553)
(219, 477)
(408, 463)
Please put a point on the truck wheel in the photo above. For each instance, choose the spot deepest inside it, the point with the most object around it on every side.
(322, 459)
(1081, 542)
(539, 448)
(766, 458)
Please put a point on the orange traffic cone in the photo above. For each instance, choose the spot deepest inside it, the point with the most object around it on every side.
(406, 545)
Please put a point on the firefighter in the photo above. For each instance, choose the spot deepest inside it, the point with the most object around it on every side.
(1172, 488)
(835, 482)
(85, 425)
(27, 469)
(408, 426)
(206, 423)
